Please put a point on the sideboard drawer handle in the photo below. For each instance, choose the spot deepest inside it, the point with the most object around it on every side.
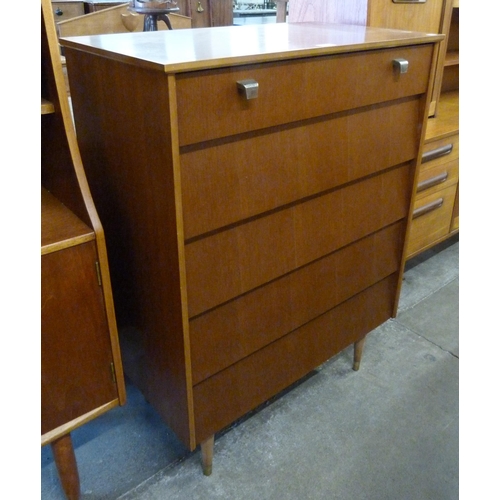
(433, 205)
(433, 181)
(437, 153)
(401, 65)
(248, 88)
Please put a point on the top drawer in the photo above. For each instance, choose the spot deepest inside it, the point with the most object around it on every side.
(210, 105)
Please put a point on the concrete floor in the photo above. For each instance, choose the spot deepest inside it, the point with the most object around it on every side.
(387, 432)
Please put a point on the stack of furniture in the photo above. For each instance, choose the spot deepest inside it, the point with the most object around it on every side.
(256, 203)
(82, 374)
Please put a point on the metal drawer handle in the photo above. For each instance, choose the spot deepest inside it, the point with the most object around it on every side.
(433, 181)
(248, 88)
(437, 153)
(433, 205)
(400, 65)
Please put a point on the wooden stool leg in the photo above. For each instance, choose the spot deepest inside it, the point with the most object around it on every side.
(207, 455)
(358, 352)
(64, 457)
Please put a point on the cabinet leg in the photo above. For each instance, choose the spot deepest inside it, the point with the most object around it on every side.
(358, 352)
(207, 455)
(64, 457)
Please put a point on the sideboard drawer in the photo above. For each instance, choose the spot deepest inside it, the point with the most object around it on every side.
(294, 90)
(235, 330)
(235, 180)
(432, 218)
(439, 152)
(438, 177)
(232, 262)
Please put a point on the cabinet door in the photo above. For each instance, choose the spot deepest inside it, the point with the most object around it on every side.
(77, 366)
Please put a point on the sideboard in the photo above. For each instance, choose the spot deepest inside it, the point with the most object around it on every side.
(255, 184)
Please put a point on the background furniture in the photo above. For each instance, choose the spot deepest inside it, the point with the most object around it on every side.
(203, 13)
(254, 230)
(117, 19)
(82, 374)
(436, 205)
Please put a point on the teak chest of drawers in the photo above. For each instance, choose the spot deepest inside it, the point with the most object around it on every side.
(250, 237)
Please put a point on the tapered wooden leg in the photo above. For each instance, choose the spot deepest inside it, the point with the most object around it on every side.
(358, 352)
(207, 455)
(64, 457)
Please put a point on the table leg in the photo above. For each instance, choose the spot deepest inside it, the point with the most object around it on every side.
(64, 458)
(207, 455)
(358, 352)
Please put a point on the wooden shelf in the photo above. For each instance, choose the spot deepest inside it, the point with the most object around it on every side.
(446, 122)
(47, 107)
(451, 58)
(61, 228)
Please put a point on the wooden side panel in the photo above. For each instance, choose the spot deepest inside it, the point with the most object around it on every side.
(76, 351)
(233, 392)
(235, 180)
(127, 151)
(232, 262)
(228, 333)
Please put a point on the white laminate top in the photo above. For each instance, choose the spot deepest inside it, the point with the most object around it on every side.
(206, 48)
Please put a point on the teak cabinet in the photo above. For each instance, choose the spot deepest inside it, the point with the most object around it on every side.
(82, 374)
(255, 183)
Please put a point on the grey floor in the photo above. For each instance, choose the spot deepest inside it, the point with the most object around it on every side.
(388, 431)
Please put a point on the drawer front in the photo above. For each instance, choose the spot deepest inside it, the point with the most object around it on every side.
(232, 262)
(440, 176)
(439, 152)
(235, 330)
(230, 394)
(435, 219)
(67, 10)
(294, 90)
(236, 180)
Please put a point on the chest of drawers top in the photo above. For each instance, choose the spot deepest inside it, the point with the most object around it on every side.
(207, 48)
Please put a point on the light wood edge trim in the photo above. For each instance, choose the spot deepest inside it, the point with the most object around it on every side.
(87, 197)
(424, 113)
(77, 422)
(70, 242)
(182, 256)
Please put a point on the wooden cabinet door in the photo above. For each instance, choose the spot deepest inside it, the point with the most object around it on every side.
(77, 374)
